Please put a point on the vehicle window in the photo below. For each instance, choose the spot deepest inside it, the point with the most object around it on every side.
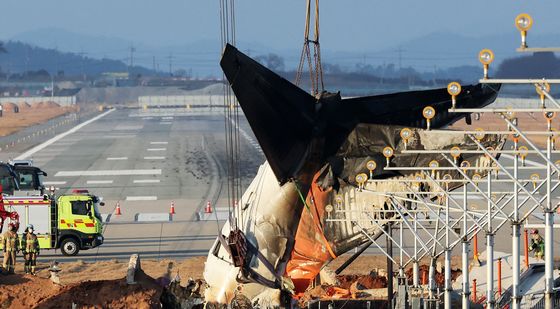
(41, 179)
(7, 179)
(79, 208)
(7, 184)
(26, 181)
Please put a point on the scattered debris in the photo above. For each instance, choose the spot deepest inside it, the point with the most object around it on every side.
(133, 267)
(54, 270)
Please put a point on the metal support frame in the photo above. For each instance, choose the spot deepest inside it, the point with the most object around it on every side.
(439, 220)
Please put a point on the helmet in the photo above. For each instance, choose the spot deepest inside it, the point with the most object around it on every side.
(535, 231)
(30, 227)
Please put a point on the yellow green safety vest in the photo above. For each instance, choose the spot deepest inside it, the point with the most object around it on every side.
(10, 241)
(30, 243)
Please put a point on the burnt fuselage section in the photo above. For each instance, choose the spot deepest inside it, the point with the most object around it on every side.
(314, 148)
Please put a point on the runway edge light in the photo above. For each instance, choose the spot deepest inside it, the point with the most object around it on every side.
(523, 22)
(486, 56)
(454, 89)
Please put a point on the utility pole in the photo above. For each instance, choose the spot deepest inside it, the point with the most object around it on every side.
(132, 50)
(170, 57)
(400, 51)
(154, 60)
(82, 54)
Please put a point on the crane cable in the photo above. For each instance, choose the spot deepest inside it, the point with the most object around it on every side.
(315, 66)
(231, 117)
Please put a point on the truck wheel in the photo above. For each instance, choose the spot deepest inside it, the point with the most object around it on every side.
(70, 247)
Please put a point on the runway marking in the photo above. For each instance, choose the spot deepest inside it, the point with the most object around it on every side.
(154, 158)
(44, 145)
(247, 137)
(146, 181)
(118, 136)
(141, 198)
(166, 122)
(99, 182)
(167, 118)
(117, 158)
(159, 143)
(108, 173)
(529, 162)
(50, 183)
(124, 127)
(156, 149)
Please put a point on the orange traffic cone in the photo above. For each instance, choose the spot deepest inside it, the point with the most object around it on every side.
(208, 209)
(118, 210)
(172, 209)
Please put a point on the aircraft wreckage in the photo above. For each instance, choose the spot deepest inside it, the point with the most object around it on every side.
(316, 148)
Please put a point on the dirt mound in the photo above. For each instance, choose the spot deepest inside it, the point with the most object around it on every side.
(24, 106)
(43, 105)
(370, 281)
(24, 291)
(9, 107)
(107, 294)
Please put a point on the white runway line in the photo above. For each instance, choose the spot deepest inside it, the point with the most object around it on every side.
(141, 198)
(166, 122)
(117, 158)
(60, 136)
(52, 183)
(117, 136)
(159, 143)
(156, 149)
(124, 127)
(99, 182)
(529, 162)
(108, 173)
(146, 181)
(154, 158)
(167, 118)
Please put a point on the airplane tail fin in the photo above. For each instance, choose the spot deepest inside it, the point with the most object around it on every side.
(280, 114)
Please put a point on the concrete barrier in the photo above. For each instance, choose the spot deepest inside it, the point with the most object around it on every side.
(153, 217)
(221, 215)
(105, 218)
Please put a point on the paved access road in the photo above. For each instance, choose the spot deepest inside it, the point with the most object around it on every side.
(145, 164)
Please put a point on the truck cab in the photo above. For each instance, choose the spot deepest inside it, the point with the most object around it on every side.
(30, 180)
(80, 226)
(69, 222)
(8, 179)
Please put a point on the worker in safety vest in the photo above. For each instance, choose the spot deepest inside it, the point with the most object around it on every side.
(30, 247)
(537, 245)
(10, 244)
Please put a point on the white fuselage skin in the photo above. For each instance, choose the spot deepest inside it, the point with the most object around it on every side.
(268, 214)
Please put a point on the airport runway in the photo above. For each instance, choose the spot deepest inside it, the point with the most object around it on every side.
(145, 164)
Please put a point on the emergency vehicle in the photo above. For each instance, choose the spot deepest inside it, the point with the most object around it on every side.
(69, 222)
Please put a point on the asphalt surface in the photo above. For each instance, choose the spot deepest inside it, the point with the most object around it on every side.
(145, 164)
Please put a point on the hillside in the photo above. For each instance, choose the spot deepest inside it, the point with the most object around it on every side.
(23, 57)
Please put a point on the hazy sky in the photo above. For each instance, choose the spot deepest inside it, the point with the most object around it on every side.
(345, 24)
